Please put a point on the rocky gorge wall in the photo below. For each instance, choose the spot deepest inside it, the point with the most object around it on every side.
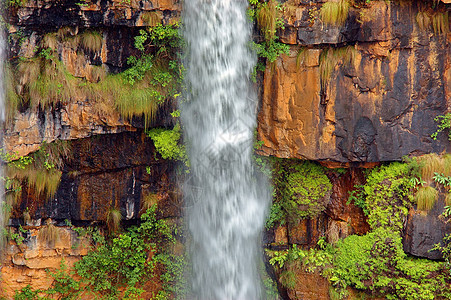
(352, 95)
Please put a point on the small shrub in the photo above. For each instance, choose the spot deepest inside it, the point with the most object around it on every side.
(167, 143)
(444, 125)
(426, 198)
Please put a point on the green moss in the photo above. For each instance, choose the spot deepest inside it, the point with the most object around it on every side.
(389, 195)
(375, 262)
(308, 189)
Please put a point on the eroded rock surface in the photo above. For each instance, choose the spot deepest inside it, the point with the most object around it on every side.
(376, 103)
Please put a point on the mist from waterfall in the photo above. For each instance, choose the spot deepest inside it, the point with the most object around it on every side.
(227, 202)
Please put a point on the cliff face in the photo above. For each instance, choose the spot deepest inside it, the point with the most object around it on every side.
(351, 95)
(377, 103)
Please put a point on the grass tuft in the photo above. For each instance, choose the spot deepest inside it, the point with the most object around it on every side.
(331, 57)
(13, 100)
(426, 197)
(151, 18)
(267, 16)
(50, 40)
(335, 13)
(448, 199)
(91, 40)
(148, 201)
(447, 164)
(49, 234)
(113, 220)
(429, 164)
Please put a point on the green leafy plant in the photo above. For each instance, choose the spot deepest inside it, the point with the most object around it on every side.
(444, 125)
(442, 179)
(308, 189)
(268, 18)
(167, 143)
(358, 197)
(116, 268)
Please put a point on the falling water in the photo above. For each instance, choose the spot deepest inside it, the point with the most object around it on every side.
(227, 201)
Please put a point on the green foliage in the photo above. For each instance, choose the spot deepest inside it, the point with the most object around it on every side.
(335, 13)
(358, 197)
(389, 195)
(377, 262)
(27, 293)
(276, 215)
(444, 125)
(271, 50)
(442, 179)
(301, 189)
(117, 268)
(167, 143)
(308, 189)
(15, 3)
(152, 77)
(269, 18)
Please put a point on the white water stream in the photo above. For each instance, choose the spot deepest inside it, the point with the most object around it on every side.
(227, 202)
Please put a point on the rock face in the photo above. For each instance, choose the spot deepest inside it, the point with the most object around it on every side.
(423, 231)
(106, 173)
(26, 264)
(374, 100)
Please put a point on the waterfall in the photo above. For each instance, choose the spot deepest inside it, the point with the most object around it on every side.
(227, 203)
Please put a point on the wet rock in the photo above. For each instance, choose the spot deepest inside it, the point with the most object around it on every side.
(424, 230)
(107, 173)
